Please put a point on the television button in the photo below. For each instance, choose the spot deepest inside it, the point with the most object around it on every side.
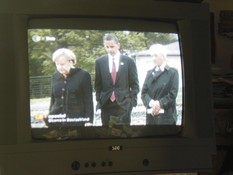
(75, 165)
(110, 163)
(103, 164)
(93, 164)
(145, 162)
(86, 164)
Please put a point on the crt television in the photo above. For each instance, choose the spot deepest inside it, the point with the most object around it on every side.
(30, 34)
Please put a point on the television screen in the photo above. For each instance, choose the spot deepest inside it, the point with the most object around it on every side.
(87, 45)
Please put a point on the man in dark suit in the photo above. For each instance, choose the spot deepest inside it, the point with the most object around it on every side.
(116, 84)
(160, 90)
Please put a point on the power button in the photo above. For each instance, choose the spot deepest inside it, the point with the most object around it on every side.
(75, 165)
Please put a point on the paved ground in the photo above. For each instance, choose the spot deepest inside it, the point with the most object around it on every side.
(41, 106)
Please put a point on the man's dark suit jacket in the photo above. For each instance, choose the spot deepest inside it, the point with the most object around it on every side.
(126, 87)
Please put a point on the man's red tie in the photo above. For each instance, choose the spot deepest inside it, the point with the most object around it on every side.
(113, 97)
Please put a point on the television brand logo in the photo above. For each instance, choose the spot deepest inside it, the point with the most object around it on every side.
(116, 148)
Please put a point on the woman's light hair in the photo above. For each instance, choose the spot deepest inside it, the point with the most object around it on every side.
(63, 52)
(158, 49)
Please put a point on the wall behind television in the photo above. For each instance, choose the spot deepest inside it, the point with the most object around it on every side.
(223, 45)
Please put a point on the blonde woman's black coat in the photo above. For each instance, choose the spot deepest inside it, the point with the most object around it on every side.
(72, 95)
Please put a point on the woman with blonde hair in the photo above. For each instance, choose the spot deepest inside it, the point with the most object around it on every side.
(71, 95)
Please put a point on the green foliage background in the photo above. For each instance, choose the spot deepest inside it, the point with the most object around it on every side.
(86, 44)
